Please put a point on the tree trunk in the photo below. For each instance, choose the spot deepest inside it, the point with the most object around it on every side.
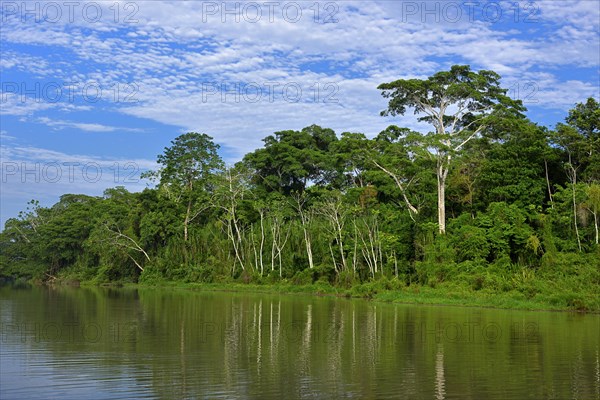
(575, 219)
(441, 186)
(253, 241)
(186, 221)
(341, 245)
(574, 183)
(308, 249)
(548, 184)
(238, 237)
(333, 258)
(596, 224)
(354, 258)
(262, 241)
(304, 220)
(236, 242)
(412, 210)
(274, 244)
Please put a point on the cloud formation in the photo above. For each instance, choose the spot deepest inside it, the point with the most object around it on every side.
(239, 71)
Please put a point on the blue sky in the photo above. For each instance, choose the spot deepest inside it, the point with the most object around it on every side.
(92, 91)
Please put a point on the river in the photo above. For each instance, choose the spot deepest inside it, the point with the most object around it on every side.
(79, 343)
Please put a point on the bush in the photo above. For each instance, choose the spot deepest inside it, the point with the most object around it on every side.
(478, 282)
(367, 290)
(272, 277)
(569, 299)
(151, 275)
(248, 277)
(345, 279)
(385, 283)
(305, 277)
(471, 243)
(325, 273)
(198, 273)
(432, 273)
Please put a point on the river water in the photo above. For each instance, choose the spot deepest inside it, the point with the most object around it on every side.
(79, 343)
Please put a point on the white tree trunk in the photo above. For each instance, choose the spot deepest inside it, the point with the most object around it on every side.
(596, 225)
(441, 186)
(573, 177)
(262, 241)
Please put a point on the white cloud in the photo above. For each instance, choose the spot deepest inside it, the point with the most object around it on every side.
(175, 49)
(19, 104)
(86, 127)
(5, 136)
(583, 14)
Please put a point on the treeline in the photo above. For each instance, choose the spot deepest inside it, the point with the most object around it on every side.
(488, 200)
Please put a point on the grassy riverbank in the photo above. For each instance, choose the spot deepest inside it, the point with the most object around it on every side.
(466, 284)
(393, 291)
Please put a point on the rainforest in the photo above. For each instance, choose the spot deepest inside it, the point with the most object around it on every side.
(485, 207)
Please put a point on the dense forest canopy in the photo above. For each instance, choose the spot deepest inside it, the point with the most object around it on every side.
(487, 199)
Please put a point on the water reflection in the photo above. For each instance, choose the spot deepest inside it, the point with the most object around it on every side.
(106, 343)
(440, 381)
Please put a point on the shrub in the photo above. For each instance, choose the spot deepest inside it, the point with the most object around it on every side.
(345, 279)
(367, 290)
(324, 273)
(429, 272)
(151, 275)
(471, 243)
(198, 273)
(305, 277)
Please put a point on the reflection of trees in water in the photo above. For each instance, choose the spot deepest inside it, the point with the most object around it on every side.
(440, 380)
(191, 344)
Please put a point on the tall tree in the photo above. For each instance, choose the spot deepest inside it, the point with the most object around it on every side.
(512, 167)
(186, 171)
(584, 119)
(580, 141)
(291, 160)
(399, 154)
(232, 187)
(459, 104)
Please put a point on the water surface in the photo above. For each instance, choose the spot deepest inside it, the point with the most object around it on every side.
(74, 343)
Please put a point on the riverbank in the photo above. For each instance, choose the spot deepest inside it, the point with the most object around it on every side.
(391, 291)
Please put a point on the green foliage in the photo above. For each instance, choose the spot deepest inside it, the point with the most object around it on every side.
(292, 159)
(305, 277)
(345, 279)
(190, 161)
(513, 168)
(475, 91)
(309, 209)
(471, 243)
